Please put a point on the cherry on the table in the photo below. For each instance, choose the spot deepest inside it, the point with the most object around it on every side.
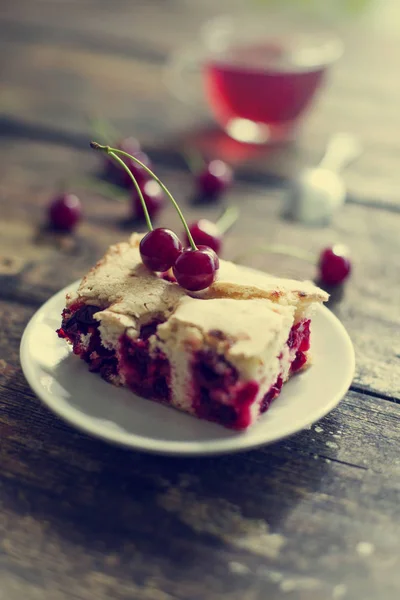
(214, 179)
(206, 233)
(65, 212)
(334, 265)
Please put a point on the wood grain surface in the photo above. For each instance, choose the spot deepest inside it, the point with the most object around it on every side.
(313, 517)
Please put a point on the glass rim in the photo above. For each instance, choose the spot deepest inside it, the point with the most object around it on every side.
(328, 46)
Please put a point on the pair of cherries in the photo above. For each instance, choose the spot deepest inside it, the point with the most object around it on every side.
(194, 268)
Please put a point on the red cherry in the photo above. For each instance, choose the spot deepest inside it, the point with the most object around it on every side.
(196, 270)
(334, 265)
(159, 249)
(65, 212)
(153, 197)
(215, 178)
(211, 252)
(207, 233)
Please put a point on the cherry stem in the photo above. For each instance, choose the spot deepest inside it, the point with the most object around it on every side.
(135, 183)
(277, 249)
(113, 152)
(227, 219)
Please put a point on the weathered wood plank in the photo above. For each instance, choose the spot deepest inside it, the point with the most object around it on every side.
(30, 172)
(109, 62)
(314, 515)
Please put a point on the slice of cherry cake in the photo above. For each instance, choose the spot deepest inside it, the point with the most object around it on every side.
(222, 354)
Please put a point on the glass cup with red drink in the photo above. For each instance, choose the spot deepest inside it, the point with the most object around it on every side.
(259, 78)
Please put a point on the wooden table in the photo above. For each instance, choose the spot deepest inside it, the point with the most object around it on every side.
(314, 517)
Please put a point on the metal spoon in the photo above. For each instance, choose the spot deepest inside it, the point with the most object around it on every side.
(320, 191)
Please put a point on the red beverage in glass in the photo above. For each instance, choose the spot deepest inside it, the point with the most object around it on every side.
(266, 86)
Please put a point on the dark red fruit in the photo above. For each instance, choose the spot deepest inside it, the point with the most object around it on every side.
(159, 249)
(334, 265)
(215, 178)
(65, 212)
(212, 254)
(153, 197)
(205, 232)
(196, 270)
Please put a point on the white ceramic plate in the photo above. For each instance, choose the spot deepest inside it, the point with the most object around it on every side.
(83, 399)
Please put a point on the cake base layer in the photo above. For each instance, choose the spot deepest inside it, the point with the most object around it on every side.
(216, 391)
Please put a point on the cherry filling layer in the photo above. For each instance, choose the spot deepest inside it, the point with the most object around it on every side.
(299, 341)
(81, 329)
(222, 398)
(218, 394)
(146, 372)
